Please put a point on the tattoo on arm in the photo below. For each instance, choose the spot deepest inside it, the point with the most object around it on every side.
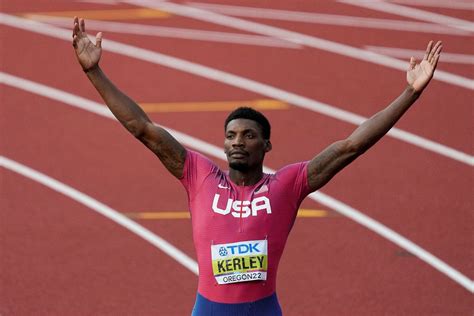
(170, 152)
(329, 162)
(333, 159)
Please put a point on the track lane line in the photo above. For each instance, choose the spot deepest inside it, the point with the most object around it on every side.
(457, 5)
(413, 13)
(172, 32)
(295, 37)
(405, 53)
(102, 209)
(212, 150)
(328, 19)
(242, 83)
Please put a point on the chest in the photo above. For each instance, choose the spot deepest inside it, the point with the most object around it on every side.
(222, 209)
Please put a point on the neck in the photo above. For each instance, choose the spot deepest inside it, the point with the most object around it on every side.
(249, 177)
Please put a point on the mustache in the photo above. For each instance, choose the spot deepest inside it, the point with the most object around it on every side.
(238, 151)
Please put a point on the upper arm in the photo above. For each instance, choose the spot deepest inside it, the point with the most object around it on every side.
(171, 153)
(329, 162)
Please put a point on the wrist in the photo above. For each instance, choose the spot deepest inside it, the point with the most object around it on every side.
(92, 69)
(412, 91)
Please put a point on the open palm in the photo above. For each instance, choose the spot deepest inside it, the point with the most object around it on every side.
(87, 53)
(419, 75)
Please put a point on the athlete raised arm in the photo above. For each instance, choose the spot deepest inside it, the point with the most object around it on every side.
(341, 153)
(171, 153)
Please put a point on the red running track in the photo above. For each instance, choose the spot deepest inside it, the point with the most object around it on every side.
(60, 258)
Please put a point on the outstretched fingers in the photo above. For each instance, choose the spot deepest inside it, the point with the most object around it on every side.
(75, 28)
(428, 50)
(82, 25)
(435, 53)
(75, 32)
(98, 40)
(412, 63)
(79, 27)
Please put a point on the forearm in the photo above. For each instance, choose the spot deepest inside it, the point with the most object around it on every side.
(124, 108)
(368, 133)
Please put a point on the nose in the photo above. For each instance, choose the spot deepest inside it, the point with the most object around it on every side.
(238, 141)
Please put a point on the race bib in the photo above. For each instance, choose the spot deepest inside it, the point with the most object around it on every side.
(240, 261)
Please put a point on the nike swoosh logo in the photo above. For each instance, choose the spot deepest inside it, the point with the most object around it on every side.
(220, 186)
(263, 188)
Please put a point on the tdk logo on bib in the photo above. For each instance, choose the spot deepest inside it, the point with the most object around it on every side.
(240, 249)
(222, 252)
(242, 261)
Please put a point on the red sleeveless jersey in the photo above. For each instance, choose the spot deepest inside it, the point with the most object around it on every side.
(240, 232)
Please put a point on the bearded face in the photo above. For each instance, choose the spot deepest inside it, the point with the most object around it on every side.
(244, 145)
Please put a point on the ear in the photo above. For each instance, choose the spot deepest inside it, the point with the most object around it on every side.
(268, 145)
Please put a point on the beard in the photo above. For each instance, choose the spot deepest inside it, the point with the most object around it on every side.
(239, 166)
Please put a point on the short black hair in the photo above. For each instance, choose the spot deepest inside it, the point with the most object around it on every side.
(245, 112)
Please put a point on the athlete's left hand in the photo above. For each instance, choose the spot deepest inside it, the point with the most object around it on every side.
(419, 75)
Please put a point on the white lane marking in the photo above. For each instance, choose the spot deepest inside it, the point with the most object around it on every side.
(310, 41)
(461, 5)
(407, 53)
(171, 32)
(217, 152)
(102, 209)
(242, 83)
(328, 19)
(414, 13)
(109, 2)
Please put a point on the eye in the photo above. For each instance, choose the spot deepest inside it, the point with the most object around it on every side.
(229, 136)
(250, 136)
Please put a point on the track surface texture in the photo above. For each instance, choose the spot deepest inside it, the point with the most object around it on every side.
(59, 256)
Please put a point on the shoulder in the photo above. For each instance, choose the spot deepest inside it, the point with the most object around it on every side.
(198, 164)
(295, 173)
(191, 154)
(194, 157)
(293, 169)
(291, 181)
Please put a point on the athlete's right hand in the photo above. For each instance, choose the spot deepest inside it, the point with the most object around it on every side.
(87, 53)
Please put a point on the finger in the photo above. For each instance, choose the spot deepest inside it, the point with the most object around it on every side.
(434, 51)
(434, 62)
(98, 40)
(74, 26)
(76, 30)
(412, 63)
(74, 41)
(438, 43)
(82, 25)
(428, 50)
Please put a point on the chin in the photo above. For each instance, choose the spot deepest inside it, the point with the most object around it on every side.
(239, 166)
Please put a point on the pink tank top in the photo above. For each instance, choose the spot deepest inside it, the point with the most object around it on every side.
(240, 232)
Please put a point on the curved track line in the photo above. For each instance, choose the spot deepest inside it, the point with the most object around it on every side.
(102, 209)
(295, 37)
(217, 152)
(455, 5)
(242, 83)
(407, 53)
(172, 32)
(413, 13)
(328, 19)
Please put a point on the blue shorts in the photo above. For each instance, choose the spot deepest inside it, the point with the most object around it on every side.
(267, 306)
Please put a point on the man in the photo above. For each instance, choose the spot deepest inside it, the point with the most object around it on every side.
(241, 218)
